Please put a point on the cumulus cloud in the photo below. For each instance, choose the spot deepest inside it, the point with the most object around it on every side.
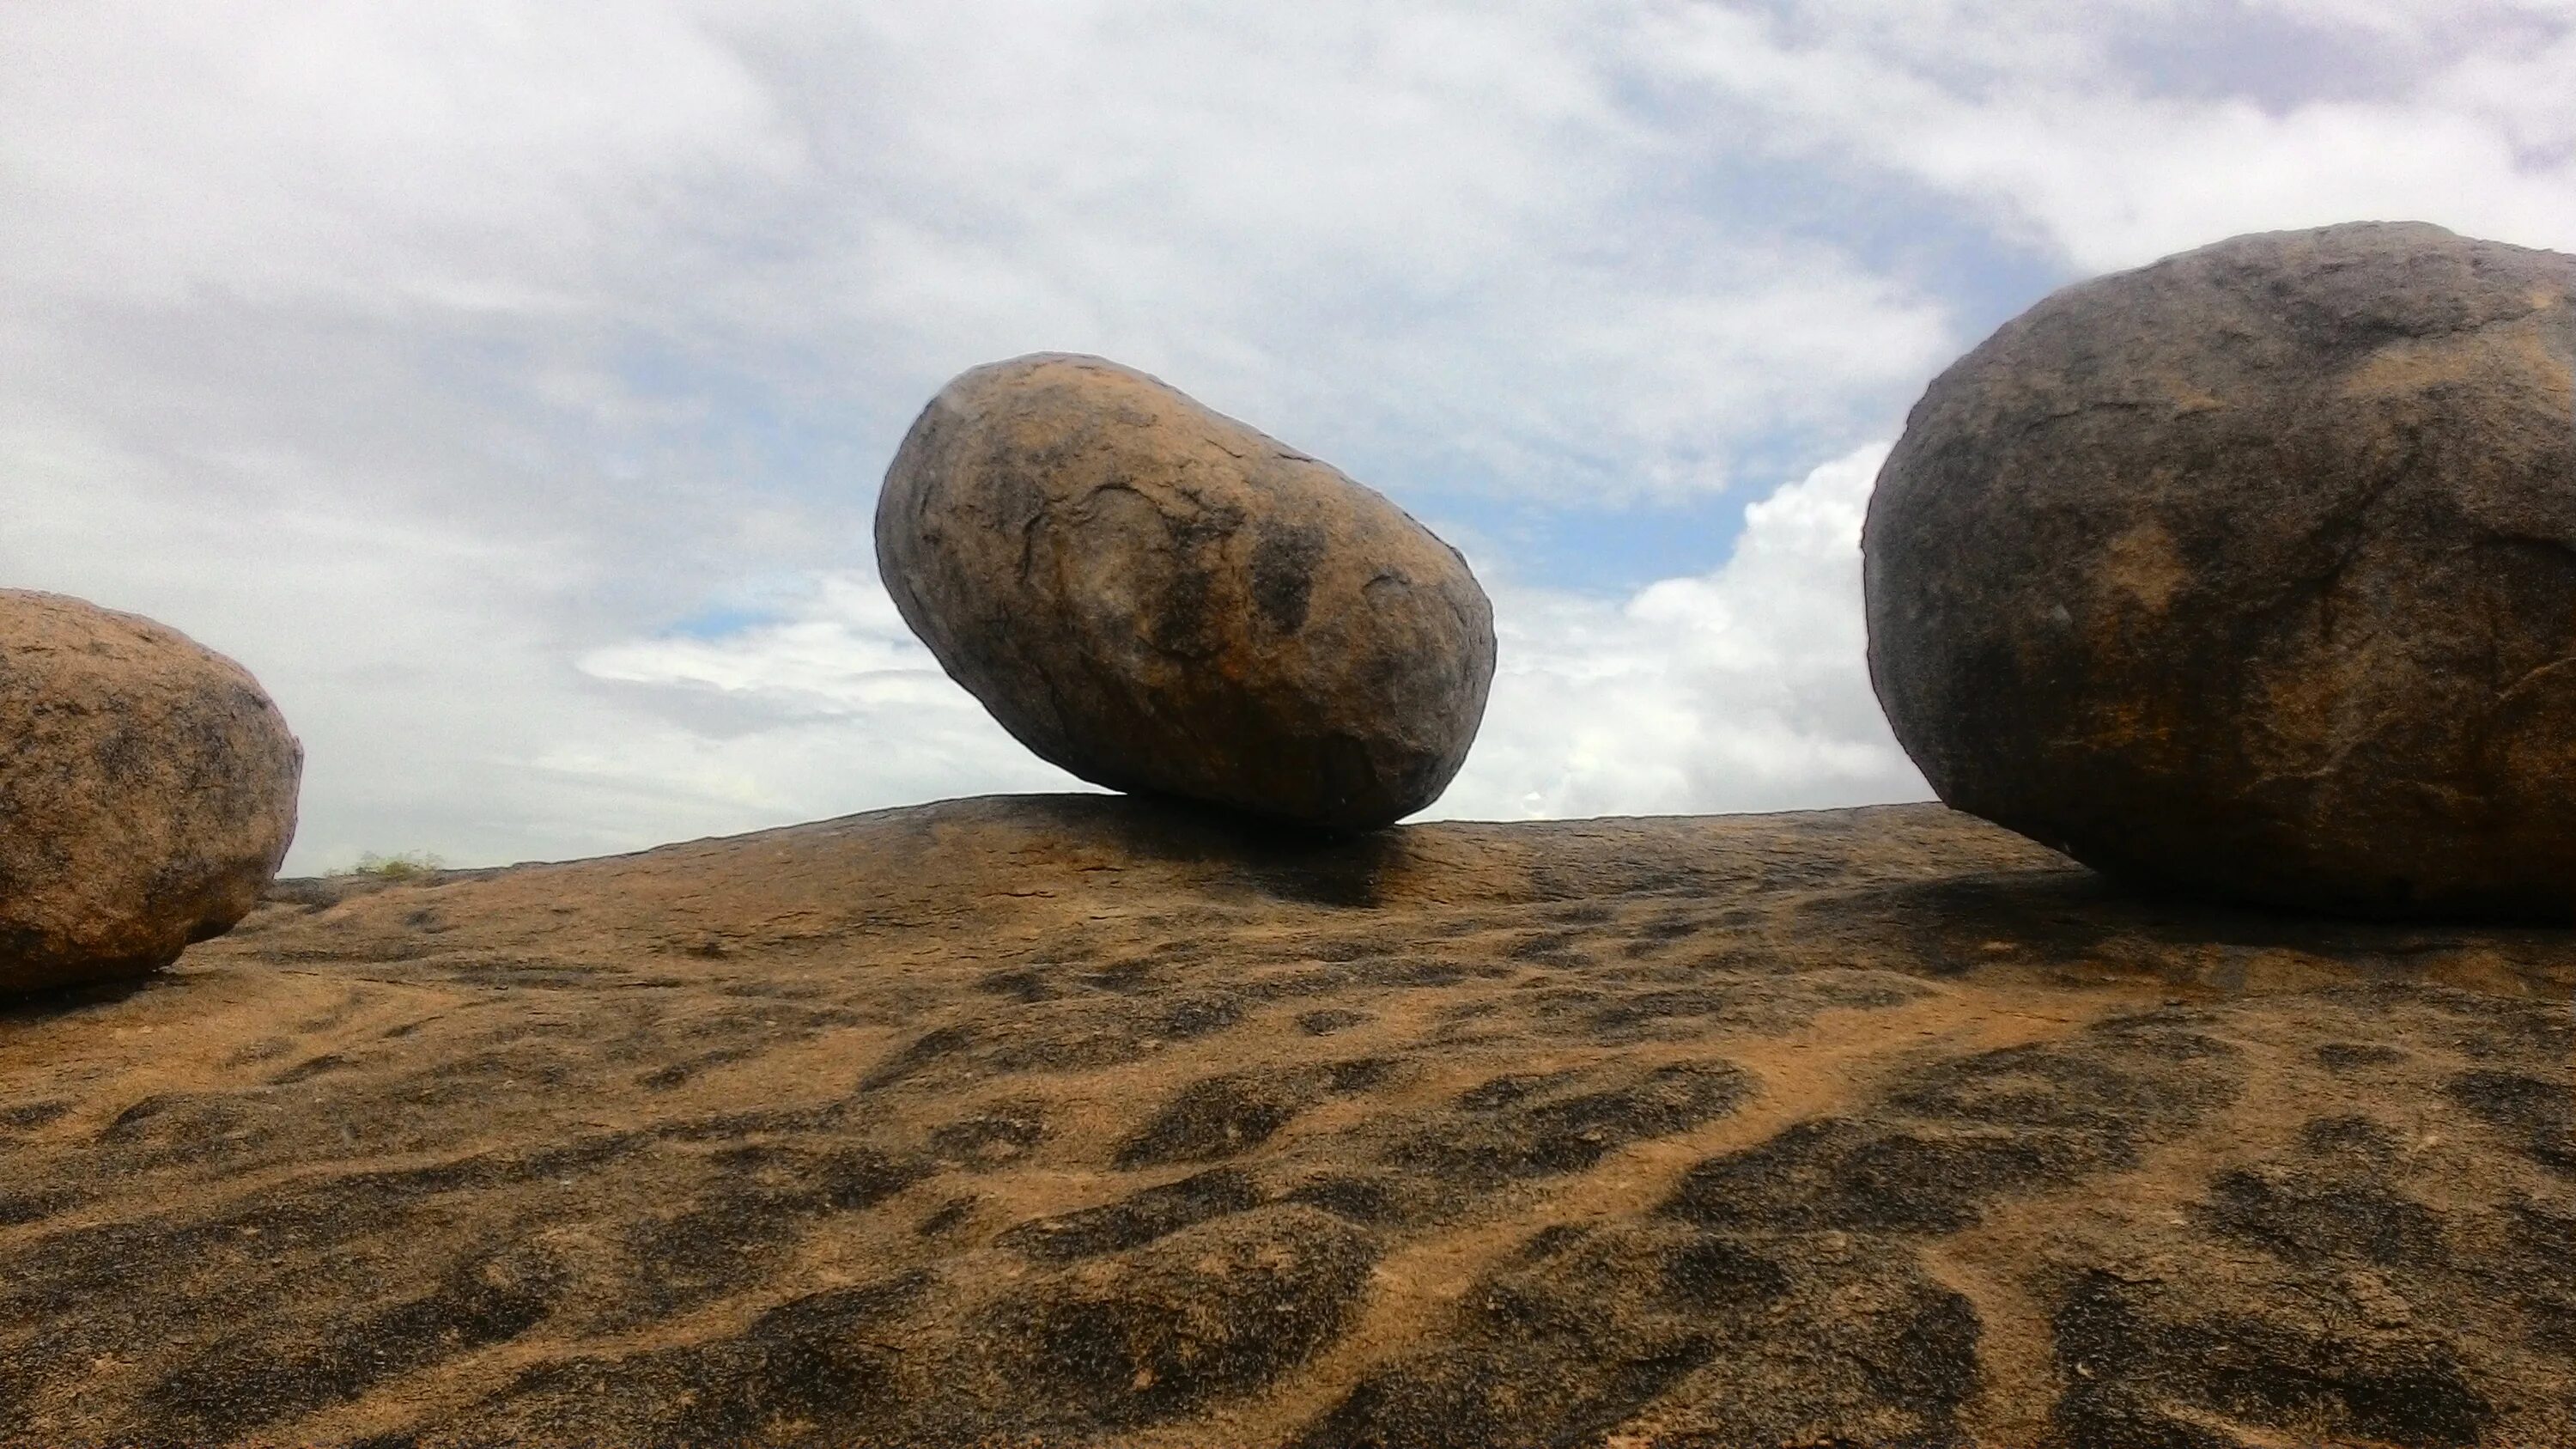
(1743, 689)
(2116, 134)
(829, 705)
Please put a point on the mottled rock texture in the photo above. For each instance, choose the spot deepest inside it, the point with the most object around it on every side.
(1162, 600)
(1089, 1121)
(147, 792)
(2254, 571)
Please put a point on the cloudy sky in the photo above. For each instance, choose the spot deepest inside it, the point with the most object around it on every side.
(508, 382)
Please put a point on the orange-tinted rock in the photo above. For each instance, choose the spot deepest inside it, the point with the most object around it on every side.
(147, 792)
(1090, 1121)
(1162, 600)
(2254, 572)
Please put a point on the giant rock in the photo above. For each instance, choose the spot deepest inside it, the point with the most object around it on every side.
(1077, 1120)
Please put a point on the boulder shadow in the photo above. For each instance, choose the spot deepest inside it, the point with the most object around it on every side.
(1280, 861)
(48, 1002)
(2071, 915)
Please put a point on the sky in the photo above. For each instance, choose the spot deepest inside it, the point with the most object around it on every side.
(508, 383)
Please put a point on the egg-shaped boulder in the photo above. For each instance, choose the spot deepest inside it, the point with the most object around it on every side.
(2252, 572)
(1160, 599)
(147, 792)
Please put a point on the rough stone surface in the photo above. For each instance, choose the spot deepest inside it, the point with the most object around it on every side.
(2254, 571)
(147, 792)
(1160, 599)
(1089, 1121)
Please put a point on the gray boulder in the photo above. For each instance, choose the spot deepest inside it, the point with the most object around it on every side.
(2253, 572)
(1161, 599)
(147, 793)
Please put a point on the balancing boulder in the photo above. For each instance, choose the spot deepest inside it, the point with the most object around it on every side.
(2253, 572)
(1160, 599)
(147, 793)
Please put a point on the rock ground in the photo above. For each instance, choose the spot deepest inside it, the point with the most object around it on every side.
(1085, 1120)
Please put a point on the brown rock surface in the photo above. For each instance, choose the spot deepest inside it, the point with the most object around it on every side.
(2254, 571)
(147, 792)
(1086, 1121)
(1160, 599)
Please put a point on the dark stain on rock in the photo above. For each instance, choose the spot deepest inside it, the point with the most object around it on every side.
(1023, 984)
(929, 1047)
(1217, 1309)
(26, 1116)
(309, 1068)
(1360, 1074)
(1841, 1174)
(999, 1134)
(1722, 1341)
(1954, 1136)
(1474, 1399)
(1214, 1118)
(2138, 1360)
(33, 1206)
(2539, 1115)
(1524, 1126)
(1199, 1016)
(663, 1079)
(2309, 1217)
(946, 1218)
(241, 1382)
(1137, 1219)
(2355, 1056)
(1283, 572)
(1361, 1198)
(1719, 1272)
(824, 1364)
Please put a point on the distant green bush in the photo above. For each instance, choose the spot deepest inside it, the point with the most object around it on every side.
(410, 865)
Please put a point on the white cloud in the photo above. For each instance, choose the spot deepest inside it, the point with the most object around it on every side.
(474, 156)
(1742, 689)
(1437, 235)
(2030, 109)
(435, 359)
(830, 706)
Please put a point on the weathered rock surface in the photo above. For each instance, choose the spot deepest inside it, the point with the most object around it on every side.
(2254, 571)
(147, 792)
(1085, 1121)
(1160, 599)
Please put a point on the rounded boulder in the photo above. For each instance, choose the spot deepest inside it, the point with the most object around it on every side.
(147, 793)
(2253, 573)
(1163, 600)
